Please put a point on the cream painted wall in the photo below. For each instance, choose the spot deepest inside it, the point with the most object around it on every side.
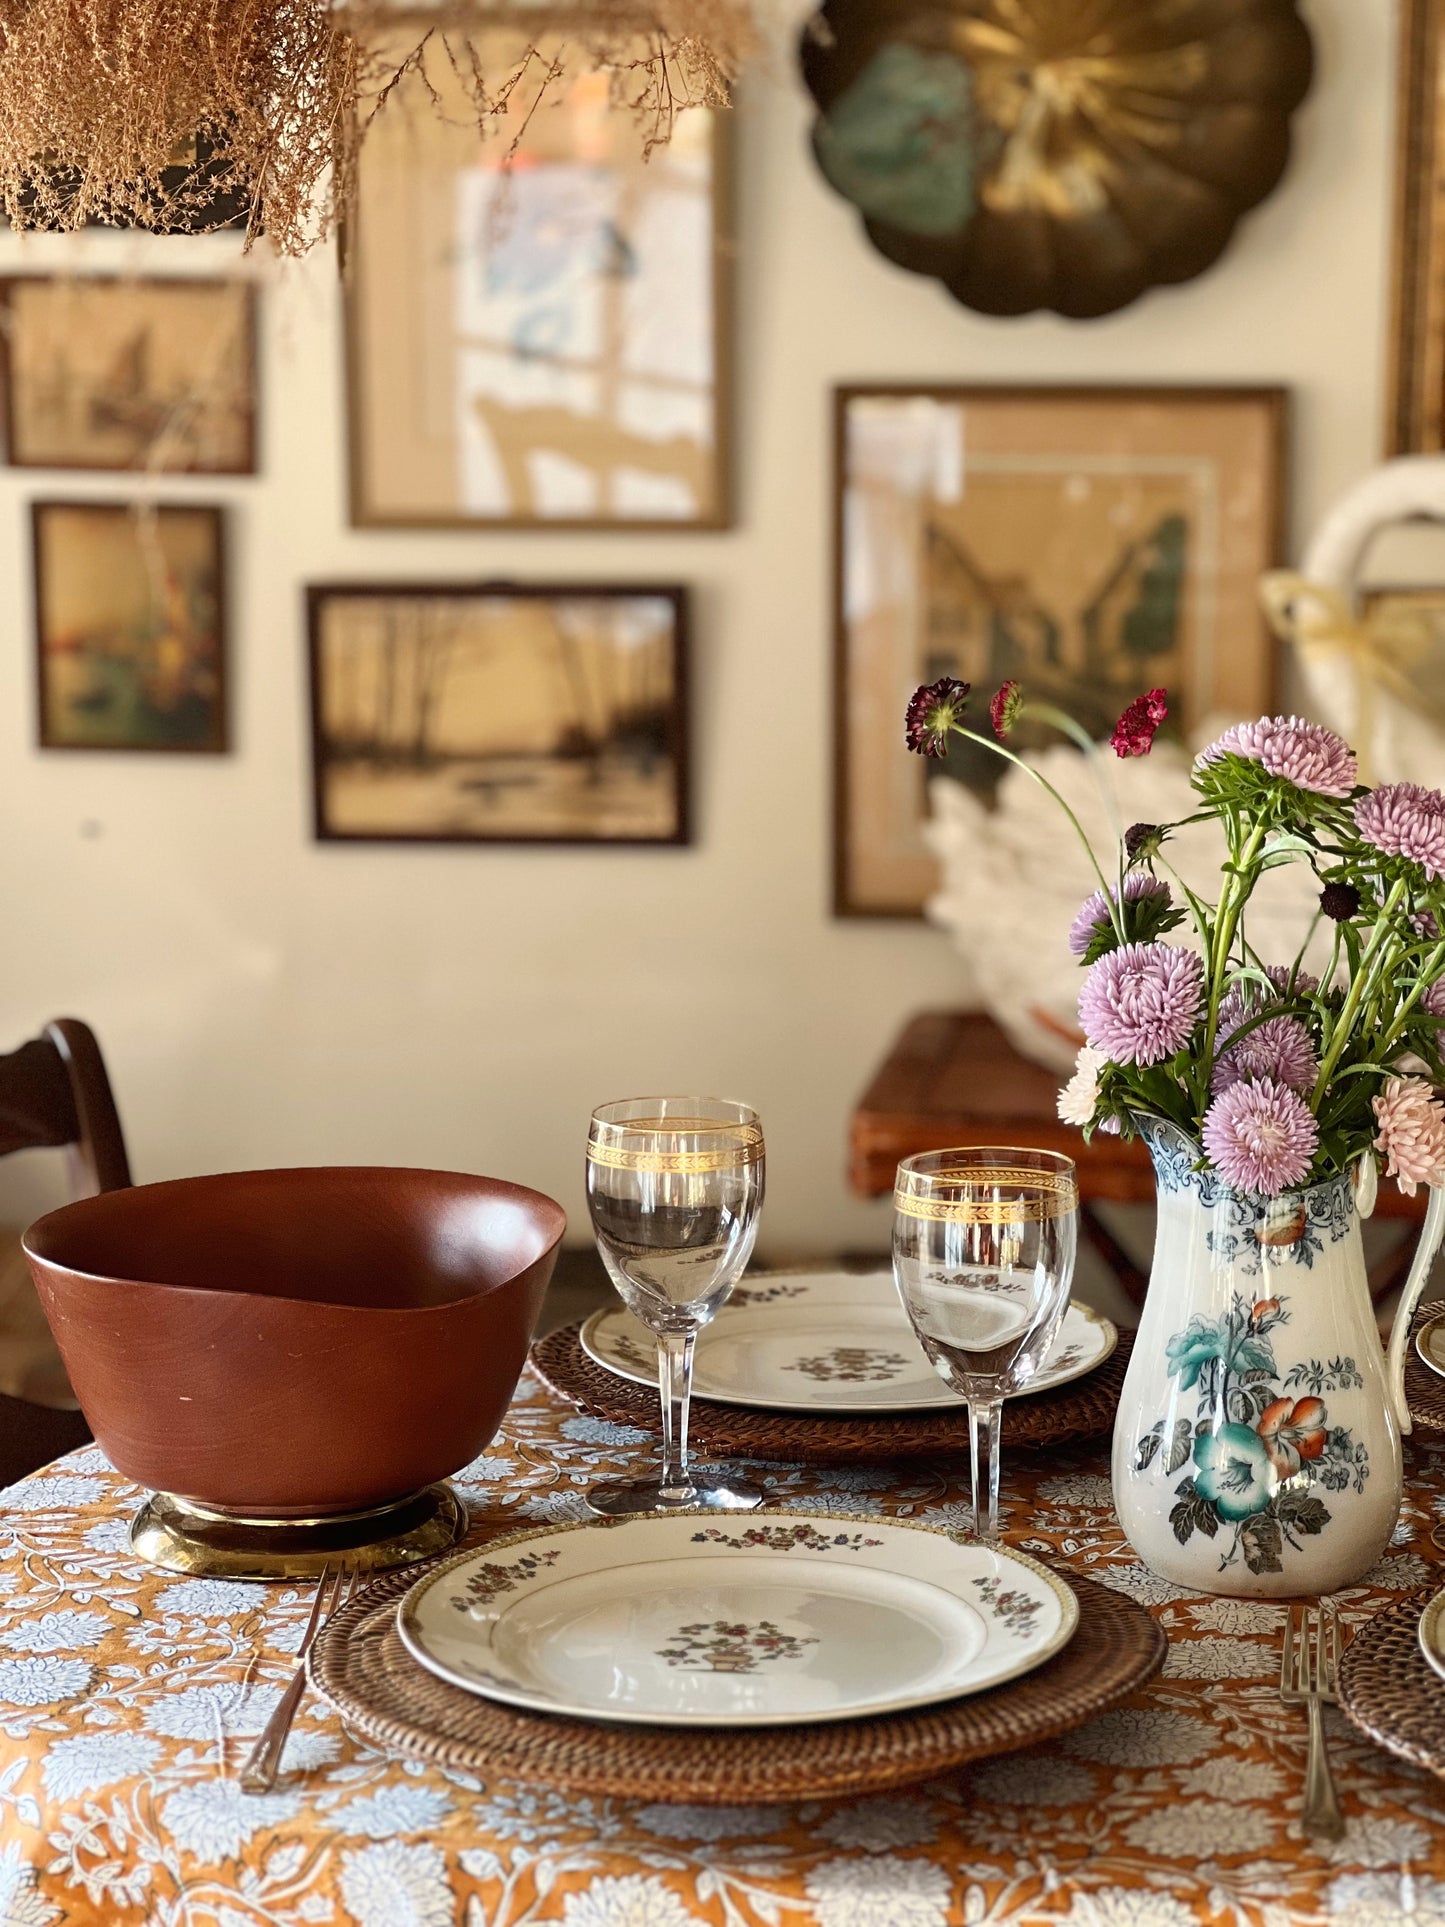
(265, 1000)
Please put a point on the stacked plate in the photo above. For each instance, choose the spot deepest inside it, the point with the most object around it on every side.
(824, 1343)
(1430, 1343)
(776, 1619)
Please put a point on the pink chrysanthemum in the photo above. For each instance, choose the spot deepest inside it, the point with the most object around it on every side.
(1306, 754)
(1260, 1137)
(1280, 1048)
(1140, 1003)
(1412, 1132)
(1134, 732)
(1433, 1001)
(1094, 911)
(1405, 819)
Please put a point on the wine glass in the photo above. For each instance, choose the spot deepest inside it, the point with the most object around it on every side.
(983, 1257)
(675, 1189)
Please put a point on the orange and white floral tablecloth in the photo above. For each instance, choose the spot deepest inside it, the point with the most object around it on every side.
(128, 1700)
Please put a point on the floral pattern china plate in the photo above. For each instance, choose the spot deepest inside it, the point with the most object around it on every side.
(785, 1617)
(824, 1341)
(1432, 1633)
(1430, 1343)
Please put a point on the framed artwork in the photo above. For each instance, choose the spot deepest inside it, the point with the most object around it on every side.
(130, 626)
(1091, 542)
(536, 315)
(1416, 399)
(451, 713)
(135, 374)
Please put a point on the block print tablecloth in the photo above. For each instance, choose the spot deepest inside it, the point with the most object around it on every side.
(129, 1699)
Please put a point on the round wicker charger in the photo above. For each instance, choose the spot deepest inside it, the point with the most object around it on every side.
(1083, 1409)
(1424, 1389)
(1388, 1689)
(359, 1664)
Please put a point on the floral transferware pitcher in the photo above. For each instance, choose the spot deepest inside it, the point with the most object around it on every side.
(1257, 1445)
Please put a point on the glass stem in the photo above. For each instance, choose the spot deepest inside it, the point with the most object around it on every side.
(674, 1379)
(985, 1430)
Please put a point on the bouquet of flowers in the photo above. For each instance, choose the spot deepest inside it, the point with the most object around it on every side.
(1282, 1078)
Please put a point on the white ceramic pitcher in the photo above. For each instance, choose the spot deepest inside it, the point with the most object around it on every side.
(1257, 1444)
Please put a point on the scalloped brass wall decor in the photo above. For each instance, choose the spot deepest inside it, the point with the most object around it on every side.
(1064, 154)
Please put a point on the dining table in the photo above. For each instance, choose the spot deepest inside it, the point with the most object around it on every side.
(130, 1698)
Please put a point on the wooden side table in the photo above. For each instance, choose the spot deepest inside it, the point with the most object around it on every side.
(952, 1077)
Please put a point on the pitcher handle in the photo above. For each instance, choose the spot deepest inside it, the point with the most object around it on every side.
(1431, 1234)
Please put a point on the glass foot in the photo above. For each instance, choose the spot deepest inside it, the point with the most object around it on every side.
(625, 1498)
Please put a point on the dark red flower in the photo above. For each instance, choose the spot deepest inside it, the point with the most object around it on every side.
(1134, 732)
(1004, 709)
(1340, 901)
(934, 709)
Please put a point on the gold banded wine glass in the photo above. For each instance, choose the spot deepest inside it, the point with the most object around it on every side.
(675, 1189)
(983, 1257)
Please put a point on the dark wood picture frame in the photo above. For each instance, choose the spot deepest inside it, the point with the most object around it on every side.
(676, 738)
(1415, 423)
(218, 742)
(247, 465)
(363, 515)
(847, 901)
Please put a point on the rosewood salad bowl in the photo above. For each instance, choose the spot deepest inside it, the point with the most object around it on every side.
(287, 1349)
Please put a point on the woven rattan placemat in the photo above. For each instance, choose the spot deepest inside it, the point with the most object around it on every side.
(1083, 1409)
(359, 1664)
(1388, 1689)
(1424, 1389)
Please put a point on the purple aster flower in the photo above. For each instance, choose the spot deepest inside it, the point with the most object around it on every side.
(1305, 754)
(1093, 914)
(1433, 1002)
(1280, 1048)
(1140, 1003)
(1260, 1137)
(1405, 819)
(1245, 998)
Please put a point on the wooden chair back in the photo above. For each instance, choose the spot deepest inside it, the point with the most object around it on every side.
(54, 1093)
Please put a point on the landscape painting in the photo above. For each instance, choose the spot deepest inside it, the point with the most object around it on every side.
(536, 308)
(1087, 543)
(138, 374)
(499, 714)
(129, 626)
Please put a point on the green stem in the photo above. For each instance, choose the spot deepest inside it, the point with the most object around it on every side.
(1237, 887)
(973, 736)
(1340, 1036)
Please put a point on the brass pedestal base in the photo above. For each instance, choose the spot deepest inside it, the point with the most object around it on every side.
(181, 1537)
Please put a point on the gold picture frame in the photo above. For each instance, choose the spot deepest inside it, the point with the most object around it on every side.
(1416, 394)
(129, 372)
(537, 314)
(130, 626)
(1088, 542)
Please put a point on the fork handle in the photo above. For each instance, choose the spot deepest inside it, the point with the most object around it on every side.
(1322, 1818)
(259, 1773)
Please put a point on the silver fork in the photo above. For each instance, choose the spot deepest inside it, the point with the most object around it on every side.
(1307, 1670)
(258, 1775)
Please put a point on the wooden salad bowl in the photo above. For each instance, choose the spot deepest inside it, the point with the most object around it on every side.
(299, 1343)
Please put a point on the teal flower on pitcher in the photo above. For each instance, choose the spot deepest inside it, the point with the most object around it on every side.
(1233, 1472)
(1192, 1349)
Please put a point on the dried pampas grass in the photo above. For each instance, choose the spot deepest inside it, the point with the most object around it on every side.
(104, 104)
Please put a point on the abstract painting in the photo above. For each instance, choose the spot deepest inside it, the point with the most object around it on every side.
(453, 713)
(154, 375)
(1088, 542)
(129, 626)
(535, 313)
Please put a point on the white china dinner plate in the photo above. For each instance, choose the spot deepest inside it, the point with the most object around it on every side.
(1432, 1633)
(696, 1619)
(1430, 1343)
(824, 1341)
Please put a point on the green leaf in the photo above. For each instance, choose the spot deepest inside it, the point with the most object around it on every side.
(1261, 1541)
